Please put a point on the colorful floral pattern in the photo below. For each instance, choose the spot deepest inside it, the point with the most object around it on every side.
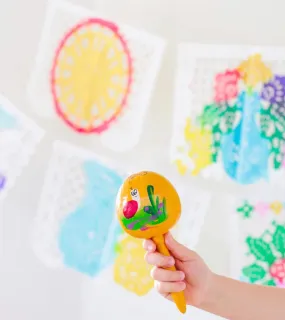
(226, 86)
(247, 209)
(243, 128)
(269, 256)
(253, 71)
(274, 90)
(262, 241)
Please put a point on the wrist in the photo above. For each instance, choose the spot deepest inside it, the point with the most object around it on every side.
(211, 292)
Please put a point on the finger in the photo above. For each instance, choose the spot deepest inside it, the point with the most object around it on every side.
(178, 250)
(149, 245)
(159, 274)
(159, 260)
(169, 287)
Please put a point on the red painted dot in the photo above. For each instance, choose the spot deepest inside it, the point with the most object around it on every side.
(130, 209)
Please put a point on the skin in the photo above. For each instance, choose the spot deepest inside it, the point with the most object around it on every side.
(208, 291)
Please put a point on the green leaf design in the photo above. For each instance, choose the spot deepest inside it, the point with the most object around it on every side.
(272, 128)
(254, 272)
(260, 249)
(210, 116)
(278, 239)
(270, 283)
(150, 192)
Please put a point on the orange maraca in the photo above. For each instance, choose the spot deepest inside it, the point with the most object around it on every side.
(147, 207)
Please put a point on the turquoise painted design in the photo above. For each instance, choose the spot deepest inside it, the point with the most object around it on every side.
(244, 152)
(7, 120)
(88, 236)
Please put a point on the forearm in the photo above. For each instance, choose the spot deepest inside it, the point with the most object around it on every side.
(235, 300)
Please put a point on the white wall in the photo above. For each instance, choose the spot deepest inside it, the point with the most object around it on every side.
(30, 291)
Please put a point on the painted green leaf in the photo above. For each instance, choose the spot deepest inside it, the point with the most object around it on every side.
(278, 239)
(260, 249)
(272, 129)
(210, 115)
(270, 283)
(254, 272)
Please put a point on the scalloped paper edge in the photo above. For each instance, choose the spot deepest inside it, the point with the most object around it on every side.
(38, 134)
(60, 147)
(147, 91)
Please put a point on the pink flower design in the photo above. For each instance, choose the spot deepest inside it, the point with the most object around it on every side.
(226, 85)
(261, 208)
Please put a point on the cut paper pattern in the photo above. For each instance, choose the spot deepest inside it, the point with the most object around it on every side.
(194, 210)
(91, 75)
(76, 225)
(19, 137)
(130, 269)
(84, 233)
(259, 246)
(95, 75)
(229, 113)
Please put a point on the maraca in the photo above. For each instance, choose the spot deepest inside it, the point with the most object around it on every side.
(147, 207)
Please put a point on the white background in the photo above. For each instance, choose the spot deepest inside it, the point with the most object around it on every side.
(30, 291)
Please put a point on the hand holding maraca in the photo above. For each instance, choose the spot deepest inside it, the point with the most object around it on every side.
(147, 207)
(196, 275)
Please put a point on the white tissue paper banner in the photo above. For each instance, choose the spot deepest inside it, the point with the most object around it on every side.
(258, 240)
(96, 75)
(195, 204)
(19, 137)
(76, 226)
(229, 113)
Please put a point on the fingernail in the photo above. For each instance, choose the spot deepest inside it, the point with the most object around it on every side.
(182, 275)
(183, 285)
(149, 247)
(171, 261)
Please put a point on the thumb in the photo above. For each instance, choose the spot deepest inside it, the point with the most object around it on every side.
(178, 250)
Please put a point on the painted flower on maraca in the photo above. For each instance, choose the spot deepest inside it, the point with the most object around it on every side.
(245, 123)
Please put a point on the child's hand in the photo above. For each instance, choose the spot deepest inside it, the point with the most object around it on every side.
(194, 277)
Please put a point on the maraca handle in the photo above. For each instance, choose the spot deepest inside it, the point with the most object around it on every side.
(178, 297)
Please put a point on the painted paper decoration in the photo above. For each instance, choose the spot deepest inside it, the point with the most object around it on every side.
(19, 137)
(97, 45)
(229, 113)
(94, 74)
(130, 269)
(76, 226)
(258, 247)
